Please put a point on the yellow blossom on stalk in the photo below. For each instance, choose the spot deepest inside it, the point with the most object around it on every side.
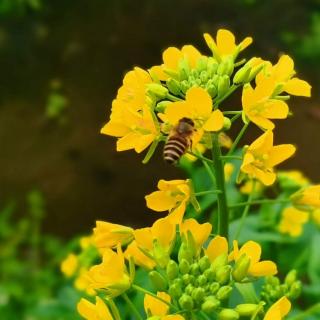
(199, 232)
(138, 256)
(108, 235)
(197, 107)
(171, 58)
(259, 106)
(90, 311)
(111, 275)
(69, 265)
(292, 221)
(282, 75)
(173, 196)
(135, 129)
(228, 170)
(278, 310)
(82, 282)
(157, 241)
(309, 196)
(261, 156)
(225, 44)
(218, 246)
(247, 187)
(252, 250)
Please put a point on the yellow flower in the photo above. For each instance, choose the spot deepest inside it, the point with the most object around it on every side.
(278, 310)
(198, 107)
(252, 250)
(90, 311)
(155, 307)
(86, 242)
(316, 216)
(261, 156)
(225, 45)
(292, 221)
(82, 282)
(199, 232)
(135, 129)
(108, 235)
(309, 196)
(228, 170)
(217, 247)
(138, 256)
(247, 187)
(157, 240)
(171, 58)
(69, 265)
(173, 196)
(111, 275)
(260, 107)
(295, 177)
(281, 74)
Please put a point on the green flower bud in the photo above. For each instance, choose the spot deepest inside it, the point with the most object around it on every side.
(246, 309)
(224, 292)
(282, 289)
(223, 274)
(175, 291)
(255, 71)
(212, 90)
(178, 281)
(184, 69)
(209, 274)
(225, 67)
(212, 66)
(226, 123)
(184, 266)
(241, 268)
(184, 86)
(187, 278)
(195, 269)
(172, 270)
(220, 261)
(214, 287)
(223, 85)
(291, 277)
(185, 253)
(162, 105)
(161, 256)
(295, 290)
(242, 75)
(202, 280)
(273, 281)
(198, 295)
(189, 289)
(228, 314)
(158, 281)
(202, 64)
(195, 73)
(186, 302)
(198, 82)
(157, 90)
(204, 263)
(210, 304)
(204, 76)
(173, 86)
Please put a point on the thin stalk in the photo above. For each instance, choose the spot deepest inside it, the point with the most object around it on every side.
(203, 193)
(240, 135)
(234, 118)
(231, 112)
(132, 306)
(246, 210)
(173, 98)
(242, 204)
(199, 156)
(223, 212)
(231, 157)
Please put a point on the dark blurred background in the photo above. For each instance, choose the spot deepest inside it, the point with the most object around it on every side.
(62, 63)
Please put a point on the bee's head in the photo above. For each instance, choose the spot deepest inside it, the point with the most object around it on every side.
(187, 120)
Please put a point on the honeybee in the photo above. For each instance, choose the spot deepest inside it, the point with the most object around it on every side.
(179, 140)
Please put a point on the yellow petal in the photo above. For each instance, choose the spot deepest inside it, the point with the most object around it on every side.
(144, 238)
(215, 121)
(278, 310)
(192, 54)
(279, 154)
(263, 144)
(164, 232)
(143, 142)
(165, 185)
(155, 307)
(171, 57)
(160, 201)
(245, 43)
(284, 69)
(199, 101)
(266, 177)
(176, 215)
(216, 247)
(248, 98)
(225, 42)
(275, 109)
(176, 111)
(157, 71)
(263, 268)
(261, 122)
(127, 142)
(139, 258)
(114, 129)
(298, 87)
(252, 250)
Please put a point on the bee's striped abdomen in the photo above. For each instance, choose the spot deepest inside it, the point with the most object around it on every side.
(174, 148)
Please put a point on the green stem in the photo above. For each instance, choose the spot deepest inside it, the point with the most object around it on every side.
(231, 157)
(246, 210)
(203, 193)
(114, 309)
(210, 173)
(223, 218)
(242, 204)
(173, 98)
(231, 112)
(132, 306)
(234, 118)
(199, 156)
(240, 135)
(230, 91)
(134, 286)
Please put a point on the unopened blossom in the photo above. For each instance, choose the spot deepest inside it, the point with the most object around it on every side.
(292, 221)
(172, 196)
(252, 250)
(225, 43)
(278, 310)
(308, 197)
(97, 311)
(262, 156)
(70, 265)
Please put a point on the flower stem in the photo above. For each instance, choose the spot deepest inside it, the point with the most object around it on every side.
(223, 218)
(134, 286)
(203, 193)
(231, 157)
(242, 204)
(132, 306)
(199, 156)
(173, 98)
(240, 135)
(231, 90)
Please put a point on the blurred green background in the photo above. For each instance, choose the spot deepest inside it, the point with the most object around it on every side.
(61, 65)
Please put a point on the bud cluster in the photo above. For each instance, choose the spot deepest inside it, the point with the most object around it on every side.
(273, 289)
